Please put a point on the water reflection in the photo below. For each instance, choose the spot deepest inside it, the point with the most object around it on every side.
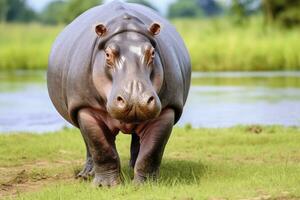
(215, 100)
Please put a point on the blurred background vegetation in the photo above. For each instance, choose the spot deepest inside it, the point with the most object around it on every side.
(221, 35)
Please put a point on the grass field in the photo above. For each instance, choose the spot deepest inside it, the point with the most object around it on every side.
(218, 45)
(214, 45)
(243, 162)
(25, 46)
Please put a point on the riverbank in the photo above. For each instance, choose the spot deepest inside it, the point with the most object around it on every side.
(243, 162)
(214, 45)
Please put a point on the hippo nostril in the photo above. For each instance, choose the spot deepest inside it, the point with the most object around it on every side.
(120, 101)
(150, 100)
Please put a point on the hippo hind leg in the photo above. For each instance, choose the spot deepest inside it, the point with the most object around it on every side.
(134, 149)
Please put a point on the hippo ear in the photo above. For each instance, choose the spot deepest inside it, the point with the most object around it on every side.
(101, 30)
(154, 28)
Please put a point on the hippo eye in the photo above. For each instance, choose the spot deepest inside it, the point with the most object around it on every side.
(111, 54)
(152, 53)
(107, 55)
(149, 55)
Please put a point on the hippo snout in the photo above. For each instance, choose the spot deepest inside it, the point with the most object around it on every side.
(145, 102)
(135, 104)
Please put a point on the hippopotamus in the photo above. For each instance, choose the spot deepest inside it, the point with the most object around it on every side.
(120, 67)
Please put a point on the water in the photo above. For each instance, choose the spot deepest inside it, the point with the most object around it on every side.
(25, 105)
(215, 100)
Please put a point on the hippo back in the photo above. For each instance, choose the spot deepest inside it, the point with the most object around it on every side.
(69, 76)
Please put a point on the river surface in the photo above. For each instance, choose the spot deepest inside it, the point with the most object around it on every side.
(220, 99)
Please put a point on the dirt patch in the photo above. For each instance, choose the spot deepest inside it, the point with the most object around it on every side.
(285, 195)
(15, 189)
(269, 197)
(32, 177)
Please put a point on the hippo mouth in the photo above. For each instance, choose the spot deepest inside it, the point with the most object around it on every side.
(134, 114)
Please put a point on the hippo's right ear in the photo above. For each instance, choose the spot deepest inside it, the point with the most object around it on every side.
(154, 28)
(100, 29)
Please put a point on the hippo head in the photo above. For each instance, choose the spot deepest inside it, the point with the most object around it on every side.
(133, 74)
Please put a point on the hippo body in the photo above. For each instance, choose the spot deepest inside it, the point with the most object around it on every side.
(120, 67)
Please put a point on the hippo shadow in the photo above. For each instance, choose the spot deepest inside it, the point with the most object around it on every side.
(183, 171)
(174, 171)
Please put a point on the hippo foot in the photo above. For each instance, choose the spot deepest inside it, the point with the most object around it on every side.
(109, 179)
(87, 171)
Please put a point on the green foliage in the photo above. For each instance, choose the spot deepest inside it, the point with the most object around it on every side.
(143, 2)
(16, 10)
(240, 10)
(54, 12)
(75, 7)
(250, 162)
(187, 8)
(219, 45)
(210, 7)
(58, 11)
(3, 10)
(214, 45)
(269, 82)
(26, 46)
(285, 12)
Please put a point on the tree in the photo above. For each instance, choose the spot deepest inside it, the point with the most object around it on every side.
(240, 10)
(53, 12)
(19, 11)
(75, 7)
(3, 10)
(209, 7)
(285, 12)
(143, 2)
(16, 10)
(187, 8)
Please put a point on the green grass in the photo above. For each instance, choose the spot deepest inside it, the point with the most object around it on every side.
(218, 45)
(270, 82)
(214, 45)
(25, 46)
(228, 163)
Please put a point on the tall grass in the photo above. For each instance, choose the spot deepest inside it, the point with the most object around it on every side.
(219, 45)
(25, 46)
(214, 45)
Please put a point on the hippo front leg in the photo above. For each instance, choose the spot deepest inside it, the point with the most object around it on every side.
(101, 143)
(153, 138)
(88, 169)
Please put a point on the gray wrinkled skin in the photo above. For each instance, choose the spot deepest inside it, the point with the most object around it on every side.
(112, 70)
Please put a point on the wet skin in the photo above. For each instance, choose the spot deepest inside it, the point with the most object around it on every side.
(126, 75)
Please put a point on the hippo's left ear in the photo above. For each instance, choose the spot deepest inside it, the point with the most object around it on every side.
(101, 30)
(154, 28)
